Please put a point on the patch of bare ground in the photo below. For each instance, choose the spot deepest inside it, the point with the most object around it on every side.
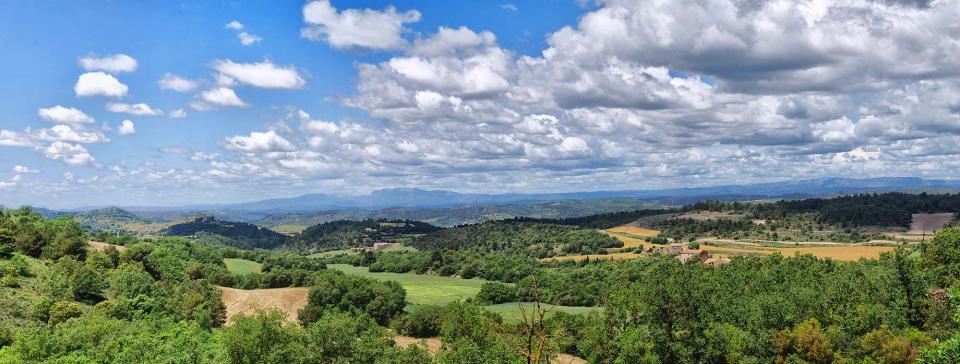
(98, 246)
(288, 300)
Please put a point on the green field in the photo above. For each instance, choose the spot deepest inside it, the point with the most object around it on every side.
(510, 311)
(422, 289)
(289, 228)
(242, 266)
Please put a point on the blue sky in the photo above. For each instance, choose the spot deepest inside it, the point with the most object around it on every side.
(284, 98)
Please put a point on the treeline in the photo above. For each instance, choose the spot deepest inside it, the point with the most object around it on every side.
(344, 234)
(464, 264)
(884, 209)
(518, 237)
(239, 235)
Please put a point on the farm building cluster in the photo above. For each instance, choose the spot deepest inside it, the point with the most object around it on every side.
(685, 255)
(370, 249)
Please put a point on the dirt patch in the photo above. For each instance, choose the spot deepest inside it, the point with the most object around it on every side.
(432, 345)
(635, 230)
(929, 223)
(98, 246)
(288, 300)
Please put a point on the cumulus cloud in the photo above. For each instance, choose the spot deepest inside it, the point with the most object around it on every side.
(72, 154)
(259, 142)
(67, 115)
(117, 63)
(356, 28)
(140, 109)
(99, 84)
(126, 128)
(68, 133)
(234, 25)
(177, 83)
(220, 96)
(264, 74)
(9, 138)
(22, 169)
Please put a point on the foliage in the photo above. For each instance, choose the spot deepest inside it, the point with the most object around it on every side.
(518, 237)
(381, 300)
(343, 234)
(236, 234)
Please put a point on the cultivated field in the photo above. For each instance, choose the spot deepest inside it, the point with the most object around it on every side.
(242, 266)
(726, 247)
(393, 247)
(422, 289)
(287, 300)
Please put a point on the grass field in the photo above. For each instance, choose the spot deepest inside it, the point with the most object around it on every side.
(289, 228)
(511, 313)
(242, 266)
(422, 289)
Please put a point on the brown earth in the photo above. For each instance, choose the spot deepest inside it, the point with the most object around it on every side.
(288, 300)
(98, 246)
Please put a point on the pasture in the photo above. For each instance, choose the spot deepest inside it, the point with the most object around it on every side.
(242, 266)
(512, 313)
(421, 289)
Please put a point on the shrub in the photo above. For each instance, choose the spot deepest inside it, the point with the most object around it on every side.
(495, 292)
(63, 311)
(424, 322)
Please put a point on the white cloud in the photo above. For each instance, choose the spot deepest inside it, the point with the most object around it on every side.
(70, 134)
(67, 115)
(178, 113)
(22, 169)
(259, 142)
(10, 138)
(177, 83)
(99, 84)
(11, 183)
(248, 39)
(117, 63)
(126, 128)
(510, 7)
(264, 74)
(72, 154)
(221, 96)
(356, 28)
(140, 109)
(235, 25)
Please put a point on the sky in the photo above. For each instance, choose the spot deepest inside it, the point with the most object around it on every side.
(172, 103)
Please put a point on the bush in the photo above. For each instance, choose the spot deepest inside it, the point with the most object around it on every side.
(495, 292)
(424, 322)
(63, 311)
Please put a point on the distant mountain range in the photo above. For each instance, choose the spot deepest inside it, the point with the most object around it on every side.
(418, 198)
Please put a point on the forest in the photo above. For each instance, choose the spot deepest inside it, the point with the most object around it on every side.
(158, 300)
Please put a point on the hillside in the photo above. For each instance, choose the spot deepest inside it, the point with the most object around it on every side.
(347, 234)
(522, 237)
(236, 234)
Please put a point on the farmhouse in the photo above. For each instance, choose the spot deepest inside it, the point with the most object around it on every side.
(698, 254)
(371, 249)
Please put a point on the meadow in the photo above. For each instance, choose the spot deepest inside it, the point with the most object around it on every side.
(511, 311)
(422, 289)
(242, 266)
